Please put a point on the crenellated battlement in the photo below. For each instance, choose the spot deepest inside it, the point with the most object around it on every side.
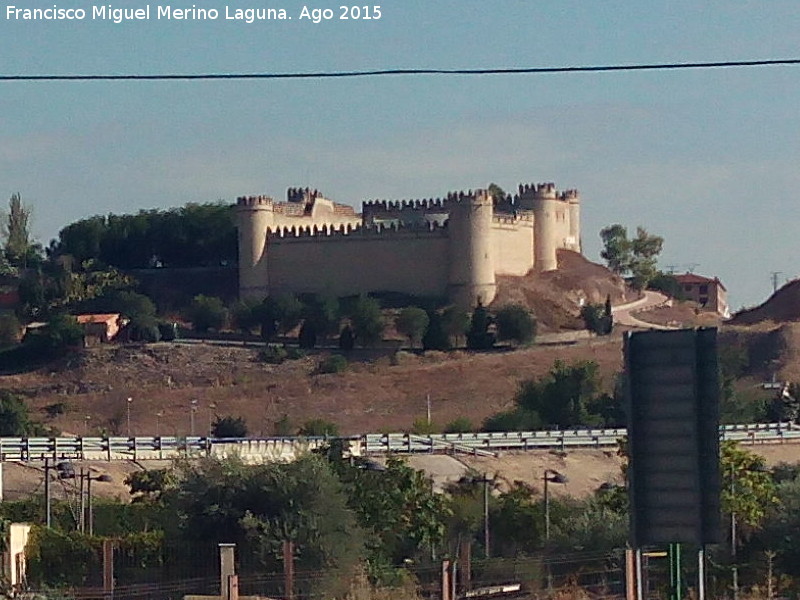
(254, 201)
(302, 195)
(388, 208)
(338, 231)
(570, 195)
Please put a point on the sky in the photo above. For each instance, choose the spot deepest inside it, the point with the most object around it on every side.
(707, 159)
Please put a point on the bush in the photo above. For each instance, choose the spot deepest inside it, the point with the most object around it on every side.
(479, 337)
(283, 427)
(597, 319)
(422, 427)
(413, 323)
(513, 420)
(435, 337)
(207, 312)
(515, 322)
(319, 428)
(459, 425)
(168, 331)
(15, 418)
(273, 355)
(367, 321)
(9, 330)
(347, 340)
(307, 337)
(335, 363)
(229, 427)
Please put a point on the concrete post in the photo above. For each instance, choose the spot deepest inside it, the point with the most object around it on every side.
(446, 580)
(227, 568)
(288, 569)
(108, 569)
(465, 558)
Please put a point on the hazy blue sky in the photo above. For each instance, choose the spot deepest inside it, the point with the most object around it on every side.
(708, 159)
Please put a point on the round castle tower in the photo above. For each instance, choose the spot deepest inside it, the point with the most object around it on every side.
(254, 216)
(574, 200)
(545, 227)
(471, 277)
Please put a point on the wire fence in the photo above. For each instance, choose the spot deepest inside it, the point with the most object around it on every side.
(594, 575)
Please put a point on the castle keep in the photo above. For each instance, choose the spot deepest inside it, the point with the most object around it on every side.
(454, 246)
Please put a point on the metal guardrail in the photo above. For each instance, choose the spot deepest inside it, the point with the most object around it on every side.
(18, 449)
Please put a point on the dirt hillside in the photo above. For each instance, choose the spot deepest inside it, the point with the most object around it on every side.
(555, 297)
(782, 306)
(88, 393)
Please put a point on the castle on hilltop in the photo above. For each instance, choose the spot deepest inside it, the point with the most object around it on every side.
(454, 246)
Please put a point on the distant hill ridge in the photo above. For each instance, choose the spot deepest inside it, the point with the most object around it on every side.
(782, 306)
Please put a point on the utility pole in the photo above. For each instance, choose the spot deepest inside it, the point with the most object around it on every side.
(130, 400)
(428, 404)
(774, 275)
(47, 491)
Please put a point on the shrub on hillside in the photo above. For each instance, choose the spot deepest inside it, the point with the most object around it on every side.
(207, 312)
(335, 363)
(273, 355)
(413, 323)
(516, 323)
(319, 428)
(229, 427)
(459, 425)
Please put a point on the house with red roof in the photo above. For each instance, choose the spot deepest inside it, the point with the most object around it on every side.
(709, 293)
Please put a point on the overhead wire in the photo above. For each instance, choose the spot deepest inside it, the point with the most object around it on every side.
(405, 72)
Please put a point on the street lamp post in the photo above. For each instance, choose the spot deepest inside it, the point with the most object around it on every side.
(192, 411)
(130, 400)
(211, 408)
(159, 414)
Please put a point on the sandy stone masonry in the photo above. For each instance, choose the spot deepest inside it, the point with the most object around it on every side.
(454, 246)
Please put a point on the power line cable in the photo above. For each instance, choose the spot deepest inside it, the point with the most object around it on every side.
(397, 72)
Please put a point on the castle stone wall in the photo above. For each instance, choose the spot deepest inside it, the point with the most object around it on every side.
(409, 262)
(512, 245)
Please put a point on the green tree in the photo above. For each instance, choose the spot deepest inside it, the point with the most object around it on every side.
(323, 313)
(562, 398)
(413, 323)
(245, 315)
(258, 507)
(748, 488)
(149, 485)
(307, 336)
(435, 337)
(207, 312)
(636, 257)
(62, 331)
(497, 192)
(455, 323)
(666, 283)
(617, 251)
(367, 321)
(515, 322)
(15, 419)
(16, 231)
(279, 314)
(479, 337)
(398, 507)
